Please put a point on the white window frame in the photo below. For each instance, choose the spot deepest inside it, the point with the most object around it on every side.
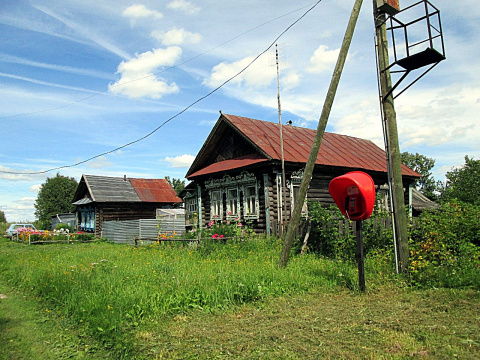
(233, 203)
(192, 205)
(295, 188)
(216, 205)
(248, 200)
(295, 183)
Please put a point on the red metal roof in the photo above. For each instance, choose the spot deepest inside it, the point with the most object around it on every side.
(236, 163)
(336, 150)
(154, 190)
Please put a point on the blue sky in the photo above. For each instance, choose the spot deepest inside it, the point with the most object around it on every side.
(80, 78)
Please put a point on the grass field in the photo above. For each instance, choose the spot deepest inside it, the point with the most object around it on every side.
(220, 301)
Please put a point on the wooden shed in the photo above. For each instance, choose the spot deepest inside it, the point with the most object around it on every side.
(103, 198)
(238, 171)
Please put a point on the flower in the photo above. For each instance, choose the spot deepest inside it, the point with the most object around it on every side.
(239, 224)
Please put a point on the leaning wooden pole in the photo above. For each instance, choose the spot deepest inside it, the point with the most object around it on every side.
(394, 160)
(317, 141)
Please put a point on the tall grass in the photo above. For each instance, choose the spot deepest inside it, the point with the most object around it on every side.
(110, 289)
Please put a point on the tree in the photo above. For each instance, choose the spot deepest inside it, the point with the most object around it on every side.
(3, 218)
(177, 184)
(55, 197)
(463, 183)
(422, 165)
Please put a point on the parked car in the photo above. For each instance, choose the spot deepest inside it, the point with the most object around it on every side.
(12, 229)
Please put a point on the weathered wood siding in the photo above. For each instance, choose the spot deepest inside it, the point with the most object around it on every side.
(317, 191)
(122, 211)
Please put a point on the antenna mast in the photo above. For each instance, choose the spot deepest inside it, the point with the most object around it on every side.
(283, 210)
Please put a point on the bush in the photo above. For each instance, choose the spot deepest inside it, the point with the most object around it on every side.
(325, 237)
(444, 246)
(3, 228)
(329, 239)
(63, 226)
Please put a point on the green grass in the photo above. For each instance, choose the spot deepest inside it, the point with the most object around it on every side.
(29, 331)
(222, 301)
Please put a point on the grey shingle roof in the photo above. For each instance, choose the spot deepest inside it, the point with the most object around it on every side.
(110, 189)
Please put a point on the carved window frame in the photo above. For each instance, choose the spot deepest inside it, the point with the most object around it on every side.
(248, 215)
(295, 182)
(216, 204)
(240, 182)
(233, 200)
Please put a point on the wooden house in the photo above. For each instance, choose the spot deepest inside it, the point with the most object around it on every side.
(238, 171)
(102, 198)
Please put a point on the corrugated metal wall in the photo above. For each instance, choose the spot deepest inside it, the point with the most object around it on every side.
(126, 231)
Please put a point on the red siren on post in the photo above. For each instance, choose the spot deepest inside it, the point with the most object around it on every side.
(354, 194)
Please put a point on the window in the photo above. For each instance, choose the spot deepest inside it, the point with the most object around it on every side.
(87, 219)
(251, 202)
(295, 192)
(216, 204)
(192, 205)
(232, 203)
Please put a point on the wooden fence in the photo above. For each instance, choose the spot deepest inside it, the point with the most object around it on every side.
(33, 239)
(344, 226)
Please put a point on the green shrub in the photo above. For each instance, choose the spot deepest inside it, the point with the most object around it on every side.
(64, 227)
(329, 239)
(3, 228)
(444, 246)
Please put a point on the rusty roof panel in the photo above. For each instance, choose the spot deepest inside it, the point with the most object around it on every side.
(336, 150)
(155, 190)
(231, 164)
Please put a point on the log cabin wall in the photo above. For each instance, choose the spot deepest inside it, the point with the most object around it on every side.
(270, 197)
(123, 211)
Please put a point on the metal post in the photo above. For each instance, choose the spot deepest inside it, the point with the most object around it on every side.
(361, 268)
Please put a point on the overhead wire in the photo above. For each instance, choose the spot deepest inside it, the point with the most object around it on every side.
(180, 112)
(96, 93)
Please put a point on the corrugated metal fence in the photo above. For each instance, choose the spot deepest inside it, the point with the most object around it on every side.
(126, 231)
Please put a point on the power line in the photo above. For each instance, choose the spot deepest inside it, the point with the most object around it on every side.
(180, 112)
(151, 75)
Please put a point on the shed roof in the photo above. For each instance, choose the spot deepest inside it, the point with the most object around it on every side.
(420, 202)
(336, 150)
(118, 189)
(155, 190)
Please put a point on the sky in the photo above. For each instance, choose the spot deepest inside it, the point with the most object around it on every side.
(137, 86)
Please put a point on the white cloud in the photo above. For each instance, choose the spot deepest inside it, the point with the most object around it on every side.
(138, 78)
(21, 210)
(440, 116)
(182, 161)
(185, 6)
(176, 37)
(139, 11)
(17, 176)
(363, 122)
(290, 80)
(98, 37)
(259, 74)
(99, 163)
(323, 59)
(35, 188)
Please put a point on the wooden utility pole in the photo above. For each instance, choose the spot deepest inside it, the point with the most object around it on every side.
(394, 161)
(322, 124)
